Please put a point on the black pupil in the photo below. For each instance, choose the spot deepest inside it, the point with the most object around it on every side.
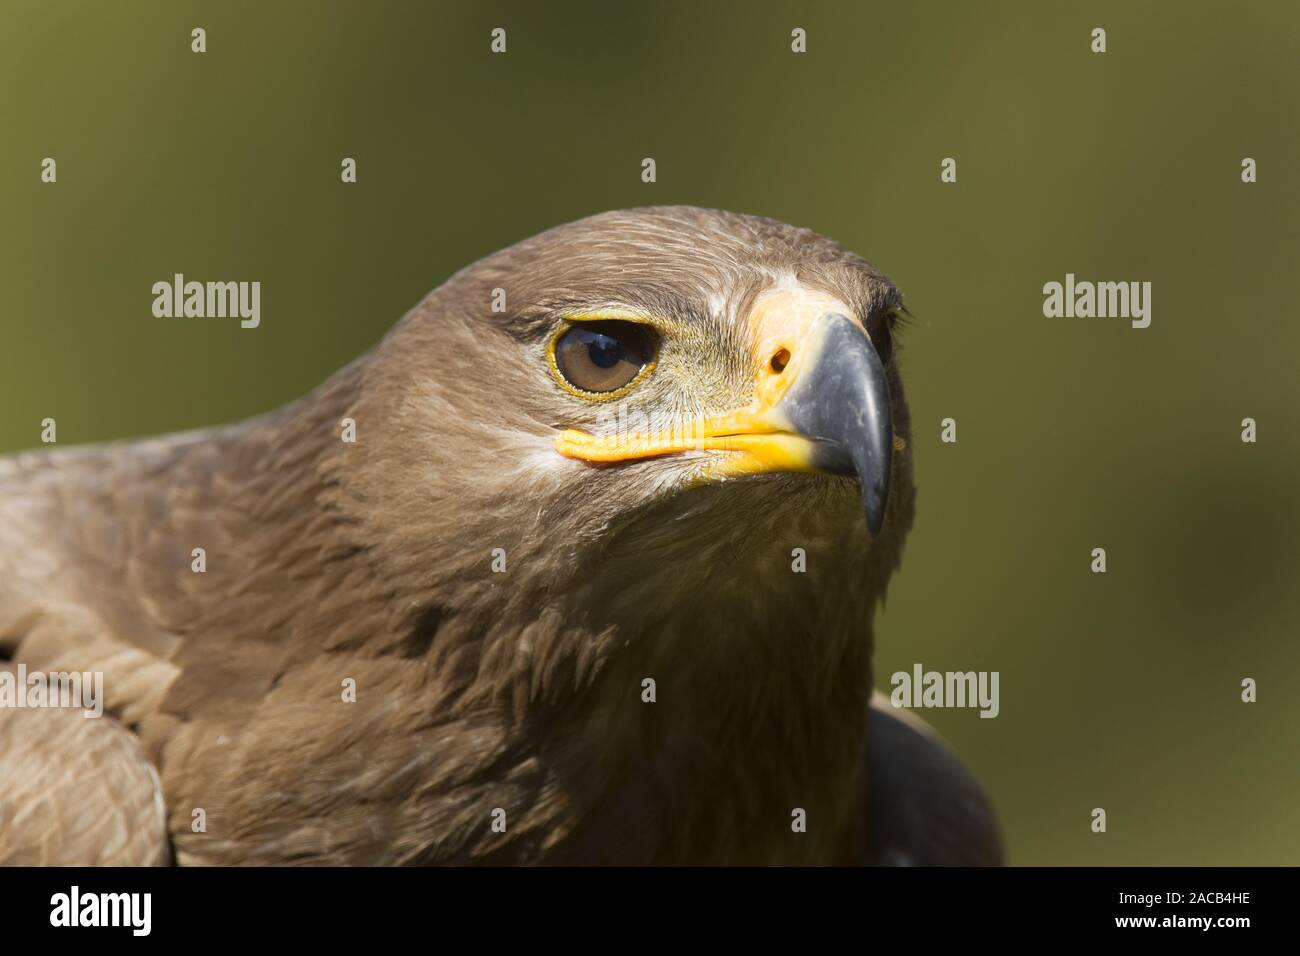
(605, 352)
(603, 356)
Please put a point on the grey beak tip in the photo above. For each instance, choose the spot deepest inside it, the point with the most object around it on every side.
(843, 402)
(875, 513)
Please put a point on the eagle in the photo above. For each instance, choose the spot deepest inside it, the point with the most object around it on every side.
(577, 566)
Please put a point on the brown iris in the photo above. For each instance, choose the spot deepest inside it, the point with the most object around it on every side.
(603, 356)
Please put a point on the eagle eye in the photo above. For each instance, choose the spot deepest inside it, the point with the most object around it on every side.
(603, 356)
(881, 334)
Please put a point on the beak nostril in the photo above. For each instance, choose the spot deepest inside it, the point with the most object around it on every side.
(780, 360)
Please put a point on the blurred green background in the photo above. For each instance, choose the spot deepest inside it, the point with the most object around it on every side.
(1119, 690)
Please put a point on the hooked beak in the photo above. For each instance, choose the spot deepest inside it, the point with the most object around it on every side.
(822, 406)
(841, 404)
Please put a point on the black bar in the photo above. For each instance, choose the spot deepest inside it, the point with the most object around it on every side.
(545, 907)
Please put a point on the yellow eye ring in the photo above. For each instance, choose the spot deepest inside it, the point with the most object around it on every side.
(574, 320)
